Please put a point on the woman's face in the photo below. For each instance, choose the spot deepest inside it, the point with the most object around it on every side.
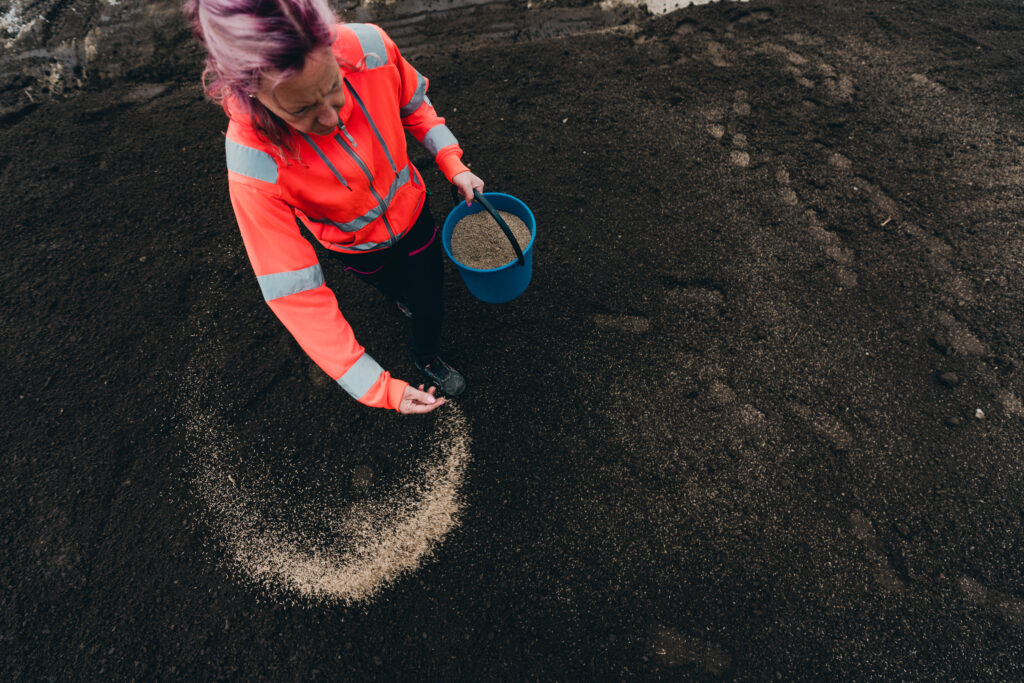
(309, 101)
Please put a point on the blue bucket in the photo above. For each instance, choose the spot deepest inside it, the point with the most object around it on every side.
(504, 283)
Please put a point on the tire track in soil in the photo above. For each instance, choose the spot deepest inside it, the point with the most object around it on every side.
(1004, 179)
(999, 175)
(747, 431)
(306, 539)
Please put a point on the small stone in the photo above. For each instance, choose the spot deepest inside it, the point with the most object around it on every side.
(716, 130)
(739, 140)
(950, 379)
(741, 108)
(142, 259)
(979, 413)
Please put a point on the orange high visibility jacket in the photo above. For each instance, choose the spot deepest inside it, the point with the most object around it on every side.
(354, 191)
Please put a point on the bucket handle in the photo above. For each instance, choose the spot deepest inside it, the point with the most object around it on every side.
(501, 222)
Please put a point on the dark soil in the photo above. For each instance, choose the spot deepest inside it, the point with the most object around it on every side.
(757, 416)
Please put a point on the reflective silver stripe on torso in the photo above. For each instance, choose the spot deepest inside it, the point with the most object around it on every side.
(370, 40)
(357, 224)
(252, 163)
(367, 246)
(437, 138)
(361, 377)
(277, 285)
(417, 97)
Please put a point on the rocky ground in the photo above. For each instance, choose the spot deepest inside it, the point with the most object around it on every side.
(759, 414)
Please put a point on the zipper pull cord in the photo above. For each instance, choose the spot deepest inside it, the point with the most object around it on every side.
(344, 131)
(320, 153)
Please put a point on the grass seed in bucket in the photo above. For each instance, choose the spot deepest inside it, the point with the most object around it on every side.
(478, 243)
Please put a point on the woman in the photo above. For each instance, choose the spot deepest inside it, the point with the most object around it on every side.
(318, 114)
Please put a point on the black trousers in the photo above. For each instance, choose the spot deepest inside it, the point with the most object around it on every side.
(411, 271)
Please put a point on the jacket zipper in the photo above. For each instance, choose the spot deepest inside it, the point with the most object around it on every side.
(366, 171)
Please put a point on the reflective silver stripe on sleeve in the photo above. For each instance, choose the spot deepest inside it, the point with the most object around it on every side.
(417, 97)
(370, 40)
(437, 138)
(361, 376)
(373, 214)
(252, 163)
(277, 285)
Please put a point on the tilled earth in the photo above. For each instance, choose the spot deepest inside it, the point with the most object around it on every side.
(759, 414)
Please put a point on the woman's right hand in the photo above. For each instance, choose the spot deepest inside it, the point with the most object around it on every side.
(416, 401)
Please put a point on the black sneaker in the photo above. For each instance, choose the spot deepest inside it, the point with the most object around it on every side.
(447, 378)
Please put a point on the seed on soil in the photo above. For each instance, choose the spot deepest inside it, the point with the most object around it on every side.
(979, 413)
(479, 242)
(953, 421)
(362, 476)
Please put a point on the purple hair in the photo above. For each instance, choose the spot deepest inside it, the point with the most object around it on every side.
(245, 39)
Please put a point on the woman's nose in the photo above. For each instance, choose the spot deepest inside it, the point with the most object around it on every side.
(327, 116)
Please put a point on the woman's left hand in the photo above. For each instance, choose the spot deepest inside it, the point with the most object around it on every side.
(465, 183)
